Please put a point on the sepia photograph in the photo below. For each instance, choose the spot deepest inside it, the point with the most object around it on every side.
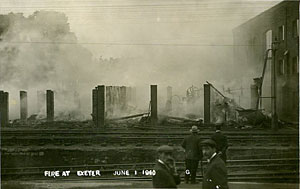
(149, 94)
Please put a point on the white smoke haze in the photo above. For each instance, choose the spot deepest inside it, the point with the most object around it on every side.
(57, 45)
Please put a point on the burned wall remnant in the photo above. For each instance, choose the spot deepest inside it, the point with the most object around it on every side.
(153, 104)
(4, 108)
(251, 41)
(98, 105)
(120, 100)
(50, 105)
(23, 106)
(207, 103)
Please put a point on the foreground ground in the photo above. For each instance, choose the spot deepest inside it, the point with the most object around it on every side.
(130, 184)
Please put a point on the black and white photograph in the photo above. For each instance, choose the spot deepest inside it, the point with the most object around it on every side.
(149, 94)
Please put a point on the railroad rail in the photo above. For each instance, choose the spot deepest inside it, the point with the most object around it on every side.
(134, 138)
(95, 132)
(95, 136)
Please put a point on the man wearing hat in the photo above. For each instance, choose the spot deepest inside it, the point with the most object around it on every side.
(215, 175)
(191, 145)
(165, 170)
(221, 143)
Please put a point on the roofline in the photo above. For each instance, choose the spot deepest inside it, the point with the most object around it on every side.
(264, 12)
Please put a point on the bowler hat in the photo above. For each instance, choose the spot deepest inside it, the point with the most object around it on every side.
(208, 142)
(194, 129)
(165, 148)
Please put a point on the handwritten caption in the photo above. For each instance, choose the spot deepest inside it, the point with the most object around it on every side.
(97, 173)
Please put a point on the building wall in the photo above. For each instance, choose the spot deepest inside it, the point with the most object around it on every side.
(249, 52)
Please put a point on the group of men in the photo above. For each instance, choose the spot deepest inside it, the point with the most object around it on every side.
(213, 150)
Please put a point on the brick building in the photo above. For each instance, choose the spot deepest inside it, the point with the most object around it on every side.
(251, 41)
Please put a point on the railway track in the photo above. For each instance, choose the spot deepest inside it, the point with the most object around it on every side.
(284, 140)
(59, 137)
(89, 131)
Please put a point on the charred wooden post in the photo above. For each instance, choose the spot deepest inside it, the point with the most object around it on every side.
(119, 101)
(99, 106)
(4, 108)
(153, 103)
(128, 95)
(123, 99)
(206, 103)
(23, 105)
(109, 100)
(94, 106)
(50, 105)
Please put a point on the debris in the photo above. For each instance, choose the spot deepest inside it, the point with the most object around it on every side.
(254, 118)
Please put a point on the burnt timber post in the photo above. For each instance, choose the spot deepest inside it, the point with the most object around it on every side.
(23, 105)
(98, 111)
(206, 103)
(108, 100)
(4, 108)
(94, 106)
(50, 105)
(123, 99)
(153, 104)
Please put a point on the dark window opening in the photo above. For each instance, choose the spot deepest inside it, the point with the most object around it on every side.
(281, 68)
(281, 33)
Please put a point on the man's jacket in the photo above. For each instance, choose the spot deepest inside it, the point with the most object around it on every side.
(215, 175)
(191, 144)
(221, 141)
(164, 177)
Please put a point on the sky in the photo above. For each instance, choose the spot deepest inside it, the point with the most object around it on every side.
(172, 42)
(121, 25)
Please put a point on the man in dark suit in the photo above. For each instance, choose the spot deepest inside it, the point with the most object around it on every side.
(221, 143)
(193, 153)
(215, 176)
(165, 170)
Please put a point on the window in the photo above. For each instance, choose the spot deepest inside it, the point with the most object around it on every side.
(281, 69)
(296, 28)
(281, 33)
(295, 65)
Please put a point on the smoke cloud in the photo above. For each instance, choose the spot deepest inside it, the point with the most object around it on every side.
(173, 44)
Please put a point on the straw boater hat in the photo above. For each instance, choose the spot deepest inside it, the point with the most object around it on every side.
(194, 129)
(164, 148)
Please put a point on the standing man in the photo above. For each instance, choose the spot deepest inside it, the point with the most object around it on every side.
(191, 145)
(165, 170)
(221, 142)
(215, 175)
